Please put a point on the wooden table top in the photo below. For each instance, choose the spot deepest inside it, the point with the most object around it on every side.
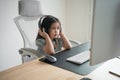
(36, 70)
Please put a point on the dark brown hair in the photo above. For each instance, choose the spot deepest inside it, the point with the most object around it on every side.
(46, 22)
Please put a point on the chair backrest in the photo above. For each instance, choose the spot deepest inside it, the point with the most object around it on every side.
(29, 31)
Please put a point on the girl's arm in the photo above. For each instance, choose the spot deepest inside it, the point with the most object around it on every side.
(48, 48)
(66, 42)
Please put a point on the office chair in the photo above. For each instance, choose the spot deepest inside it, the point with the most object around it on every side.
(30, 12)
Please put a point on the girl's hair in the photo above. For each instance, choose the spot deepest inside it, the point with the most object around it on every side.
(46, 22)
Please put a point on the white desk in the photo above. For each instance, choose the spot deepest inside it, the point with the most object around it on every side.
(36, 70)
(102, 73)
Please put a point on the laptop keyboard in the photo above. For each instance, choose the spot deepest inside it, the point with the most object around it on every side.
(80, 57)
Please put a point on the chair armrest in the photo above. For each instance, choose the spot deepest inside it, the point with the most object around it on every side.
(29, 52)
(74, 43)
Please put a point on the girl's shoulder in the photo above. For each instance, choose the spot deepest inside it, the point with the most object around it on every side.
(40, 42)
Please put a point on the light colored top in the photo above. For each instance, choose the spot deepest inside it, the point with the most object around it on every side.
(41, 42)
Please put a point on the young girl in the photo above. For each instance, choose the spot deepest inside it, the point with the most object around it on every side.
(50, 37)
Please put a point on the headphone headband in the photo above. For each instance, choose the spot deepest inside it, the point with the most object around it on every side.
(41, 20)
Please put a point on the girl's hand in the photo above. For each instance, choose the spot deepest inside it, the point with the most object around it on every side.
(66, 42)
(48, 47)
(61, 33)
(43, 33)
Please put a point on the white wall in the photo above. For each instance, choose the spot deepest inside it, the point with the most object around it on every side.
(10, 38)
(78, 19)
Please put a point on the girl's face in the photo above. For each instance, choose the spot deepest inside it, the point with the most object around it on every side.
(54, 30)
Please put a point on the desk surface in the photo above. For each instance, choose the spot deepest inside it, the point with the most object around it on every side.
(102, 73)
(82, 69)
(36, 70)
